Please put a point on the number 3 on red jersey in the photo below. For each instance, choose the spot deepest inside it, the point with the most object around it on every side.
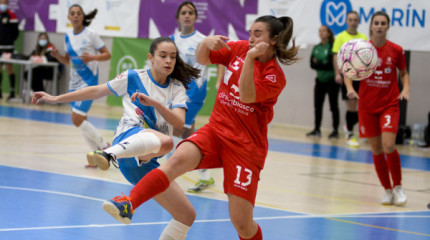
(248, 176)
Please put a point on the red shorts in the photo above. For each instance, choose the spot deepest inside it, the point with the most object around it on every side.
(241, 175)
(373, 124)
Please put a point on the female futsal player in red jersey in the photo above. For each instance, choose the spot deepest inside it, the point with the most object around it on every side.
(236, 136)
(378, 108)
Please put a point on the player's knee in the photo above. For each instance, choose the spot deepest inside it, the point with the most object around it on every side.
(190, 217)
(243, 226)
(77, 121)
(389, 147)
(166, 144)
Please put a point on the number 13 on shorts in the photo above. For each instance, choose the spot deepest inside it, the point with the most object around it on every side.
(238, 176)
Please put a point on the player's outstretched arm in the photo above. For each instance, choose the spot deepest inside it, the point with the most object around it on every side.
(213, 43)
(88, 93)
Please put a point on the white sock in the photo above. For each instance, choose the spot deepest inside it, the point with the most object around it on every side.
(139, 144)
(90, 143)
(90, 132)
(204, 174)
(174, 231)
(176, 140)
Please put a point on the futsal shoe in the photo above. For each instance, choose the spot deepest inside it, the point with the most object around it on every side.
(103, 159)
(400, 198)
(388, 198)
(120, 208)
(314, 133)
(333, 134)
(91, 163)
(352, 142)
(202, 185)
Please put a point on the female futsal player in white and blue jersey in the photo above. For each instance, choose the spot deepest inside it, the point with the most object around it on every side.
(154, 103)
(187, 40)
(81, 46)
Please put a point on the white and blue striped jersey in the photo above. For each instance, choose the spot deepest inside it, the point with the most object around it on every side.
(172, 95)
(187, 46)
(82, 74)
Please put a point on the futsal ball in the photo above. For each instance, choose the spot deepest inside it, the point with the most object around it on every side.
(357, 59)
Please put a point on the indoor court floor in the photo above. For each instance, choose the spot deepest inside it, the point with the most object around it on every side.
(310, 188)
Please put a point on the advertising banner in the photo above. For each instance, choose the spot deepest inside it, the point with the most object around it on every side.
(127, 53)
(152, 18)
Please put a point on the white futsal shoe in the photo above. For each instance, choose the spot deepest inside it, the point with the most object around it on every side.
(388, 198)
(400, 198)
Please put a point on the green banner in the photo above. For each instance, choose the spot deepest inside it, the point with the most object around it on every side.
(16, 68)
(127, 53)
(131, 53)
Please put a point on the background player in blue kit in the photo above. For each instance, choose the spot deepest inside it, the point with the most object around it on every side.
(81, 46)
(187, 40)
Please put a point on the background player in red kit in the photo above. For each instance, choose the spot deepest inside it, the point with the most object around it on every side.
(378, 108)
(236, 136)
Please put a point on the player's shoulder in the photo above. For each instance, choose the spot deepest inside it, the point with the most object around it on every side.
(176, 83)
(238, 43)
(89, 31)
(394, 45)
(200, 35)
(341, 35)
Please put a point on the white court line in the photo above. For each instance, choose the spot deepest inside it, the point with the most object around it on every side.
(202, 221)
(54, 192)
(373, 215)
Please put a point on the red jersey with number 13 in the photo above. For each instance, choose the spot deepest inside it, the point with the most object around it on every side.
(381, 89)
(243, 126)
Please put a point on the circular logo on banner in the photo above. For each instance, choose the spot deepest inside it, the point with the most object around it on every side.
(333, 14)
(126, 62)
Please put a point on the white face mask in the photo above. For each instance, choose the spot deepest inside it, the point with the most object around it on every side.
(3, 7)
(43, 42)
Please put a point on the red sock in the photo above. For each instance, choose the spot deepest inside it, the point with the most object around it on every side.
(150, 185)
(393, 160)
(257, 236)
(382, 170)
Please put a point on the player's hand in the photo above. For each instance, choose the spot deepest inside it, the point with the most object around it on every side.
(258, 49)
(143, 99)
(338, 79)
(352, 94)
(216, 42)
(42, 97)
(404, 95)
(86, 57)
(55, 53)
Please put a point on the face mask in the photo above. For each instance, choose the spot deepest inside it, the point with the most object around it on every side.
(43, 42)
(3, 7)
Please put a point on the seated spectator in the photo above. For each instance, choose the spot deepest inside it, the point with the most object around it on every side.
(41, 54)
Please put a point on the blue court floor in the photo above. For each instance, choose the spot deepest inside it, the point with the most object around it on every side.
(36, 205)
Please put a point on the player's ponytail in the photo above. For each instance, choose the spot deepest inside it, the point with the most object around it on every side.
(89, 17)
(282, 28)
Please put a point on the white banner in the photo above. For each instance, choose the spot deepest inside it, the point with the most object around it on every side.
(114, 17)
(410, 23)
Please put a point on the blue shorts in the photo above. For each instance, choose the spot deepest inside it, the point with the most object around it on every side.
(131, 168)
(81, 107)
(190, 116)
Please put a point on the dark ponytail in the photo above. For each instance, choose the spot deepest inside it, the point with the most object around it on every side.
(87, 17)
(283, 28)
